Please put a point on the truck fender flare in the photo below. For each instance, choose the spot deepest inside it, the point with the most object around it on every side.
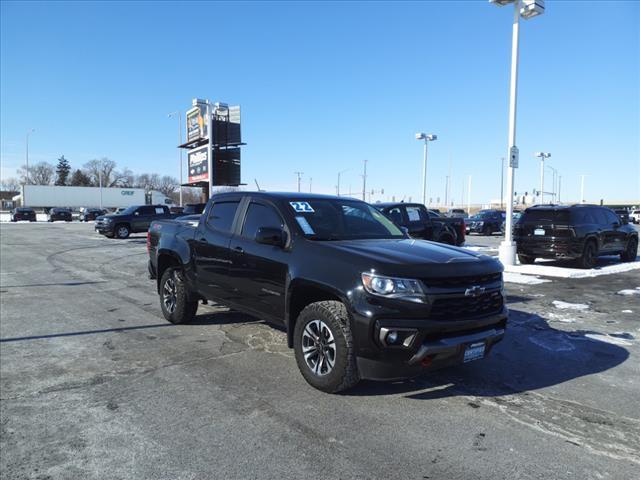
(317, 291)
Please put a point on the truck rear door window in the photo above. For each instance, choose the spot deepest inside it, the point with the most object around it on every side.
(415, 214)
(222, 214)
(545, 216)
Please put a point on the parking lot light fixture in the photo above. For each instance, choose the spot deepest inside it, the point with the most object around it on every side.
(527, 9)
(427, 138)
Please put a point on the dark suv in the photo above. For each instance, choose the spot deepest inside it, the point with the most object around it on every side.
(577, 232)
(485, 222)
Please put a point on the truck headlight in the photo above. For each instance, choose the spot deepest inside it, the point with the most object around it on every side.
(389, 287)
(107, 220)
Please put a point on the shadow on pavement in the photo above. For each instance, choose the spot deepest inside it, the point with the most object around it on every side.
(59, 284)
(532, 356)
(85, 332)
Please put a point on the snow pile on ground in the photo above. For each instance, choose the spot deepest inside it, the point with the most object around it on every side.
(635, 291)
(6, 217)
(569, 306)
(560, 318)
(627, 311)
(523, 279)
(480, 248)
(567, 272)
(613, 339)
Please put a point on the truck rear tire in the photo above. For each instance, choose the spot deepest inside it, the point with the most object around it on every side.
(631, 252)
(174, 297)
(589, 255)
(323, 346)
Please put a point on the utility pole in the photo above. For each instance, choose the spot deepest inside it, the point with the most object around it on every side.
(299, 174)
(179, 115)
(29, 132)
(310, 180)
(582, 189)
(364, 182)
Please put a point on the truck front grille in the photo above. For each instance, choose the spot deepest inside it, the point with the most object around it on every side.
(456, 308)
(460, 282)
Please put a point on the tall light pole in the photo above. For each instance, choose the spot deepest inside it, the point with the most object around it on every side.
(427, 138)
(555, 176)
(179, 115)
(29, 132)
(338, 186)
(527, 9)
(310, 181)
(582, 188)
(559, 188)
(469, 197)
(299, 174)
(364, 182)
(542, 156)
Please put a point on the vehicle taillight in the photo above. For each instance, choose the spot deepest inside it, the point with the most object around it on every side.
(148, 242)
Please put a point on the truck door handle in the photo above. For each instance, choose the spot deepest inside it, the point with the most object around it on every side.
(238, 249)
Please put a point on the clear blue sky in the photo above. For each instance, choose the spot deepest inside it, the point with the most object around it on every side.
(325, 85)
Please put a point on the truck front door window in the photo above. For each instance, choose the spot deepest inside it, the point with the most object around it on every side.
(259, 215)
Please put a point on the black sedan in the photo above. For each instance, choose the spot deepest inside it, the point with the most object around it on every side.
(23, 213)
(90, 214)
(59, 214)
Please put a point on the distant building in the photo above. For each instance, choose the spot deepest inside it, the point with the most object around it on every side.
(6, 200)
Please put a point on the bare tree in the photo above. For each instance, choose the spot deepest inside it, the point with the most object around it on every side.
(93, 169)
(41, 173)
(148, 181)
(10, 184)
(168, 185)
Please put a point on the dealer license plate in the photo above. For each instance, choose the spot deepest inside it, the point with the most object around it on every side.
(538, 231)
(475, 351)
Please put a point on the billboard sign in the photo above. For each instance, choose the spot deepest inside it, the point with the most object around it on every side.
(197, 123)
(198, 159)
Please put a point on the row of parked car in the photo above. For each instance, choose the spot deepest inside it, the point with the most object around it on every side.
(57, 214)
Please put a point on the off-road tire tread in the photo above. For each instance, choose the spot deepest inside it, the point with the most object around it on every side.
(338, 311)
(185, 309)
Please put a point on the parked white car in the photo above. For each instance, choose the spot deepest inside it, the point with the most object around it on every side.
(634, 216)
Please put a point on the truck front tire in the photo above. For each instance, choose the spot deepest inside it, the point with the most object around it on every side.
(323, 346)
(174, 299)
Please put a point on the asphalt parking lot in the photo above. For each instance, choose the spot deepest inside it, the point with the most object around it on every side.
(96, 385)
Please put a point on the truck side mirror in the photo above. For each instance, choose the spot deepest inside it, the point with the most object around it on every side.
(405, 230)
(271, 236)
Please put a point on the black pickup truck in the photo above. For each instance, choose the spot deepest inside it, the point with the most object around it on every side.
(420, 224)
(133, 219)
(357, 297)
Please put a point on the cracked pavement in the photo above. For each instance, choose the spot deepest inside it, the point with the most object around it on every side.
(94, 384)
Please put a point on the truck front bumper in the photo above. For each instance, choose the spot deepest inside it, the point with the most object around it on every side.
(394, 347)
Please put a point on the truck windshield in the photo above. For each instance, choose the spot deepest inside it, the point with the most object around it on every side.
(335, 219)
(482, 215)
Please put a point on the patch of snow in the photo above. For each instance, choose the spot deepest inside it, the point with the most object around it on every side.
(608, 339)
(569, 306)
(552, 341)
(523, 279)
(567, 272)
(627, 311)
(480, 248)
(636, 291)
(560, 318)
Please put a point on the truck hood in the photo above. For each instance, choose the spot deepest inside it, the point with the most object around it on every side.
(417, 258)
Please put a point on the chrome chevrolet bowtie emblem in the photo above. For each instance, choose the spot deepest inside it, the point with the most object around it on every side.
(474, 291)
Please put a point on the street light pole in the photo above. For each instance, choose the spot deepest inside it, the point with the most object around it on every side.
(179, 115)
(582, 189)
(29, 132)
(427, 138)
(469, 197)
(507, 251)
(364, 182)
(299, 174)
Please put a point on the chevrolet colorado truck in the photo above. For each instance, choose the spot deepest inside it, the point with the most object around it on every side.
(358, 298)
(133, 219)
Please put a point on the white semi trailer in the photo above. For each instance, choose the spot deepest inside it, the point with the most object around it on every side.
(45, 196)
